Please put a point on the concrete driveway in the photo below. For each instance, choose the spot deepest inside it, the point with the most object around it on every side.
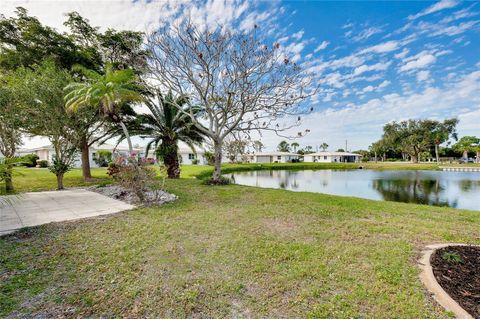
(32, 209)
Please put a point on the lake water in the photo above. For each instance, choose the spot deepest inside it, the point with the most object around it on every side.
(453, 189)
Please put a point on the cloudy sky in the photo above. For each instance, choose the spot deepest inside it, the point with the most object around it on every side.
(375, 61)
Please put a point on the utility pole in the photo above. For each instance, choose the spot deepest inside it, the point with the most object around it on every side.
(346, 145)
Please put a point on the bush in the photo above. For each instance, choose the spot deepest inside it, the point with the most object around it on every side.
(102, 158)
(221, 181)
(29, 160)
(42, 163)
(136, 178)
(113, 169)
(195, 161)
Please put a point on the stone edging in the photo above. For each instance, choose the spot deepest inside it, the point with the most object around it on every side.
(429, 280)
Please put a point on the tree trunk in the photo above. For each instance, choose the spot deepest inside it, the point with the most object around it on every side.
(217, 172)
(437, 155)
(87, 174)
(478, 156)
(60, 181)
(376, 159)
(8, 179)
(171, 162)
(414, 158)
(127, 136)
(465, 154)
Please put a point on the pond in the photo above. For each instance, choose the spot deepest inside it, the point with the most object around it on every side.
(452, 189)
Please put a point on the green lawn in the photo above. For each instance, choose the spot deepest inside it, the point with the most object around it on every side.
(230, 251)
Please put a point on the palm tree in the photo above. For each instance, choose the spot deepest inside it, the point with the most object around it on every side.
(324, 146)
(466, 145)
(283, 146)
(294, 145)
(165, 126)
(108, 92)
(258, 146)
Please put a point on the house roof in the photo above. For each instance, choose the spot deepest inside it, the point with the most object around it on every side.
(94, 146)
(333, 154)
(276, 154)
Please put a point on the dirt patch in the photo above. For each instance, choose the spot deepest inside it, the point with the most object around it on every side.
(457, 270)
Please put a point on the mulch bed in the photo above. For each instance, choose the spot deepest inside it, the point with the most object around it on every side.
(457, 270)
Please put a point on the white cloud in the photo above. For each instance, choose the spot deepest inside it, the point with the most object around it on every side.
(321, 46)
(419, 62)
(365, 34)
(423, 76)
(382, 47)
(384, 84)
(454, 29)
(441, 5)
(381, 66)
(298, 35)
(402, 54)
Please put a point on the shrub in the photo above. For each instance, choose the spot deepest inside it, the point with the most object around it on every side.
(195, 161)
(102, 158)
(29, 160)
(452, 257)
(222, 181)
(135, 177)
(42, 163)
(113, 169)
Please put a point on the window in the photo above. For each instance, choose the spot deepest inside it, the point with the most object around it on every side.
(191, 156)
(324, 157)
(279, 157)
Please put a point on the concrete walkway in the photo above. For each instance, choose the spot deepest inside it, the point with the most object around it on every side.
(32, 209)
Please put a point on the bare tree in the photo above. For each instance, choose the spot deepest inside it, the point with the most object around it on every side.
(241, 83)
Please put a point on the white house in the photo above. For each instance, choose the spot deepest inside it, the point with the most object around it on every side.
(46, 152)
(332, 157)
(275, 157)
(188, 156)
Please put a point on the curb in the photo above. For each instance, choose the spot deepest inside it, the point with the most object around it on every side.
(428, 279)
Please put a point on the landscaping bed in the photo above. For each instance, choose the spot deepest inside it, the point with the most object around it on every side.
(156, 197)
(457, 270)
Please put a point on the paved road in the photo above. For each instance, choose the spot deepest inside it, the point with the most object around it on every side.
(32, 209)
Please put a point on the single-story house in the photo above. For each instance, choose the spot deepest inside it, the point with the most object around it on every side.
(188, 156)
(332, 157)
(275, 157)
(46, 152)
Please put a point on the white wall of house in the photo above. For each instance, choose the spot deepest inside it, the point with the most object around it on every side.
(275, 157)
(332, 157)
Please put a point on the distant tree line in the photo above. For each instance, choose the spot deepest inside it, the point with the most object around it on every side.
(422, 140)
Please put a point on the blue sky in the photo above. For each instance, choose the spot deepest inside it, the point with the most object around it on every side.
(375, 61)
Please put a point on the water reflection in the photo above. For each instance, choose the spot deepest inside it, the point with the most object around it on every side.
(412, 191)
(453, 189)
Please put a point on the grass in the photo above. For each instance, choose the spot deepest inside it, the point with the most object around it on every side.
(231, 251)
(40, 179)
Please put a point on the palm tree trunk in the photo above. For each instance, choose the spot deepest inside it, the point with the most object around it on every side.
(437, 156)
(171, 161)
(127, 136)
